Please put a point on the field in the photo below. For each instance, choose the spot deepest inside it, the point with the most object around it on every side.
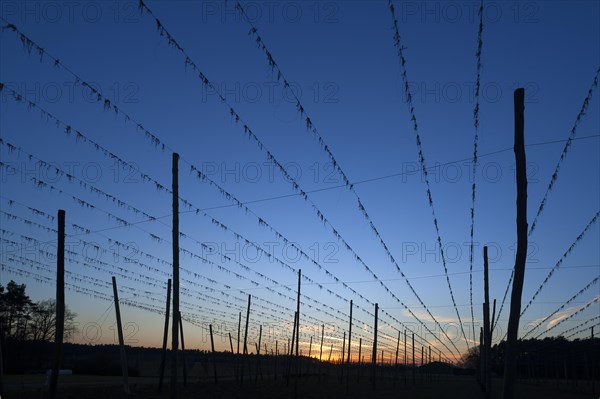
(31, 387)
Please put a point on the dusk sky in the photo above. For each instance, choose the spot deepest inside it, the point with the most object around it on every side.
(341, 63)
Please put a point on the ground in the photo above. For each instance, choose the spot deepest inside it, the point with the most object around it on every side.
(91, 387)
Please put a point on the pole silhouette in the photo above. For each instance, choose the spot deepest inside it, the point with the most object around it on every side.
(163, 357)
(124, 370)
(175, 324)
(60, 304)
(521, 255)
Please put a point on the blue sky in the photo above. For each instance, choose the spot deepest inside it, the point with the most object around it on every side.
(341, 61)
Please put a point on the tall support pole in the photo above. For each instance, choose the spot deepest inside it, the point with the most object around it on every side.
(429, 354)
(487, 339)
(374, 356)
(298, 324)
(492, 321)
(359, 359)
(238, 337)
(212, 347)
(175, 240)
(481, 357)
(340, 369)
(245, 348)
(298, 312)
(349, 347)
(291, 348)
(413, 357)
(429, 371)
(321, 349)
(182, 350)
(359, 351)
(163, 357)
(397, 348)
(275, 360)
(382, 361)
(405, 357)
(521, 255)
(60, 304)
(231, 344)
(422, 358)
(237, 360)
(343, 348)
(259, 340)
(121, 340)
(258, 368)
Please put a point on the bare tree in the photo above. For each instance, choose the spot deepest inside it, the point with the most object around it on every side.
(43, 321)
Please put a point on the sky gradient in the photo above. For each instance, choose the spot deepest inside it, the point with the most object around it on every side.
(340, 60)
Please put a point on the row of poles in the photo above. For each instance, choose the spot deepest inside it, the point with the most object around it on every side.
(293, 354)
(177, 330)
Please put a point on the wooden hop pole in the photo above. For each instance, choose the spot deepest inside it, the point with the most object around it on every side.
(481, 357)
(359, 359)
(374, 356)
(291, 349)
(429, 371)
(492, 321)
(349, 347)
(343, 348)
(182, 351)
(175, 324)
(321, 349)
(238, 336)
(60, 304)
(397, 348)
(405, 357)
(163, 357)
(521, 256)
(308, 365)
(212, 347)
(322, 337)
(121, 340)
(275, 360)
(258, 368)
(298, 326)
(245, 348)
(422, 363)
(487, 330)
(413, 357)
